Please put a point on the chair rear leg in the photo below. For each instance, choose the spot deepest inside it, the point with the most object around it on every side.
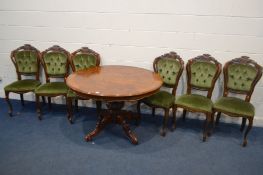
(43, 100)
(174, 118)
(153, 111)
(218, 118)
(184, 114)
(165, 121)
(49, 103)
(38, 108)
(22, 99)
(212, 124)
(250, 123)
(77, 105)
(98, 107)
(10, 111)
(69, 110)
(244, 120)
(138, 119)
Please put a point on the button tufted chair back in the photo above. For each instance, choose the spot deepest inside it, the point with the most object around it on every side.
(26, 60)
(84, 58)
(55, 61)
(170, 67)
(202, 73)
(241, 75)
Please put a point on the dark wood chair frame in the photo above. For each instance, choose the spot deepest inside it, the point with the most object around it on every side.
(209, 116)
(175, 56)
(88, 51)
(55, 49)
(26, 47)
(245, 61)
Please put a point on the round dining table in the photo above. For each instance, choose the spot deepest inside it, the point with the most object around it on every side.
(114, 84)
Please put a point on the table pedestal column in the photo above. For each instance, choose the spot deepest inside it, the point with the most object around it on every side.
(116, 115)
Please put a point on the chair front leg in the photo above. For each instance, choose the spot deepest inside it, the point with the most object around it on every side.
(244, 120)
(38, 107)
(250, 123)
(206, 126)
(174, 118)
(22, 99)
(10, 111)
(69, 110)
(218, 118)
(165, 121)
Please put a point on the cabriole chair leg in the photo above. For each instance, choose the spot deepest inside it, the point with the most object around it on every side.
(244, 120)
(10, 111)
(250, 123)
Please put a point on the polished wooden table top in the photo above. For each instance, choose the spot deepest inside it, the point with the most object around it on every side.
(114, 83)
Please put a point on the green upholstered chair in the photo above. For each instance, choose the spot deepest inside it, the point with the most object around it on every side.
(81, 59)
(55, 61)
(26, 61)
(240, 76)
(170, 67)
(202, 73)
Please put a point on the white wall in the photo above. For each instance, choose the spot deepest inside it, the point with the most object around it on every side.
(134, 32)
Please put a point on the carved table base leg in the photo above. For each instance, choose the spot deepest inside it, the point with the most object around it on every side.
(114, 113)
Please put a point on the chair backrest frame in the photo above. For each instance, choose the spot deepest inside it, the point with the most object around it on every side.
(59, 50)
(86, 51)
(173, 56)
(243, 60)
(29, 48)
(207, 59)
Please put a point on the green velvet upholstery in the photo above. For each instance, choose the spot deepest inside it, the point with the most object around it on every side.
(168, 69)
(53, 88)
(26, 61)
(241, 77)
(84, 61)
(71, 94)
(162, 99)
(202, 74)
(195, 101)
(56, 63)
(22, 86)
(235, 106)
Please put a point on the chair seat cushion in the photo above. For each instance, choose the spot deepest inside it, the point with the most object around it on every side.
(71, 94)
(161, 99)
(22, 85)
(235, 106)
(52, 88)
(195, 102)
